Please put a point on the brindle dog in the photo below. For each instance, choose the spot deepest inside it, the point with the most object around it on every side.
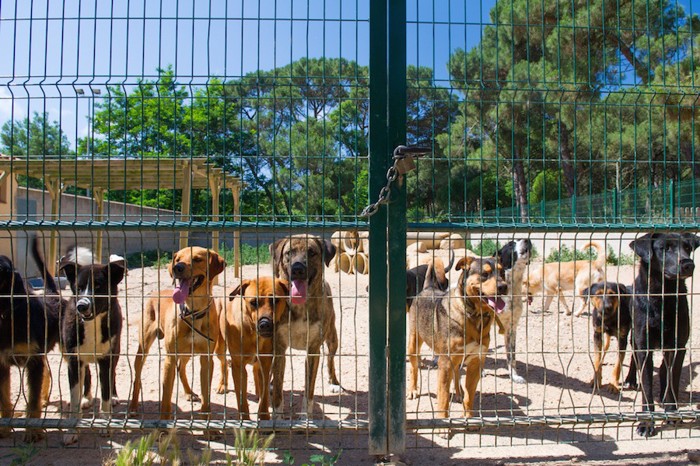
(300, 259)
(456, 324)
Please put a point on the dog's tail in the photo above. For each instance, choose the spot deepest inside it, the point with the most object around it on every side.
(602, 258)
(451, 263)
(49, 282)
(79, 255)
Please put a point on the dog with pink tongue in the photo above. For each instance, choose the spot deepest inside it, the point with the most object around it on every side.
(301, 260)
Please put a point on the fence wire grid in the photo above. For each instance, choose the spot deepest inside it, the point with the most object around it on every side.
(185, 152)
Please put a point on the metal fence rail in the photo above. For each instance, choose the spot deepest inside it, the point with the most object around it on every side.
(402, 132)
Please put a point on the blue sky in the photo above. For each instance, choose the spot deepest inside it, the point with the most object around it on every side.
(52, 47)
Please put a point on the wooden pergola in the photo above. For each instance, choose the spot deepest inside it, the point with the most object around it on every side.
(101, 175)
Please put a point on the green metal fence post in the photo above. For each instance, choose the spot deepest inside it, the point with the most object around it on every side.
(378, 165)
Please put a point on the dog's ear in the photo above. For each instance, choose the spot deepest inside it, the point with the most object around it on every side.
(586, 292)
(216, 264)
(464, 263)
(284, 286)
(622, 289)
(170, 267)
(70, 268)
(692, 239)
(643, 246)
(116, 272)
(328, 250)
(239, 290)
(276, 255)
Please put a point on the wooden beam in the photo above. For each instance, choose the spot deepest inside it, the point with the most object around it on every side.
(214, 186)
(99, 195)
(186, 200)
(236, 232)
(55, 189)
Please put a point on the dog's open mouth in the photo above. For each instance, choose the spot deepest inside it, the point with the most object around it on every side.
(494, 302)
(298, 291)
(184, 287)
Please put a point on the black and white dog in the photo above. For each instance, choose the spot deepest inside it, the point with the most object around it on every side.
(514, 257)
(91, 330)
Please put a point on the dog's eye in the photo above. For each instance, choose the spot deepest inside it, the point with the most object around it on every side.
(485, 275)
(254, 303)
(311, 253)
(198, 259)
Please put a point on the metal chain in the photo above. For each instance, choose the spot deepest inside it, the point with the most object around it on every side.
(400, 154)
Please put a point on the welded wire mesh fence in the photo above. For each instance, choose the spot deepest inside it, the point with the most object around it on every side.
(146, 129)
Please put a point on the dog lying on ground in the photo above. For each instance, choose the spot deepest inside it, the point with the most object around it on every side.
(554, 277)
(188, 322)
(29, 329)
(91, 332)
(248, 320)
(456, 325)
(661, 317)
(300, 259)
(437, 278)
(514, 257)
(612, 318)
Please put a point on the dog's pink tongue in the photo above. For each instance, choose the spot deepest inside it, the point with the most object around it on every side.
(182, 290)
(497, 305)
(298, 291)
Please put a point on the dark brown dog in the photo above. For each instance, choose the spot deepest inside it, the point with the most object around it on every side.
(456, 324)
(187, 320)
(612, 318)
(248, 319)
(300, 260)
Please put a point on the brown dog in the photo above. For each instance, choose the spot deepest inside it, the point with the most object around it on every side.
(248, 319)
(456, 324)
(300, 259)
(187, 320)
(554, 277)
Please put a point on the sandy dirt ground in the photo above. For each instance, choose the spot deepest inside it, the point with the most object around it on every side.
(554, 354)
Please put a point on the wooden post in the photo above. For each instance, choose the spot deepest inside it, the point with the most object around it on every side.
(215, 189)
(186, 196)
(99, 195)
(237, 232)
(54, 188)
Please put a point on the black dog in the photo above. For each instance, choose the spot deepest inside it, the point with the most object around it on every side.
(612, 317)
(437, 278)
(29, 329)
(661, 318)
(91, 331)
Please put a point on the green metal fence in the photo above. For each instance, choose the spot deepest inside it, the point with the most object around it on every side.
(139, 128)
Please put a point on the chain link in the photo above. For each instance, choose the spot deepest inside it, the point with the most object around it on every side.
(400, 153)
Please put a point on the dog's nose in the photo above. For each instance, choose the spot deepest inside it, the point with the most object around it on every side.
(179, 267)
(687, 267)
(265, 326)
(502, 289)
(298, 270)
(83, 305)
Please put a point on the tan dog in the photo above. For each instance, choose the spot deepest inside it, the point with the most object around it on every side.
(248, 319)
(187, 320)
(554, 277)
(300, 259)
(456, 324)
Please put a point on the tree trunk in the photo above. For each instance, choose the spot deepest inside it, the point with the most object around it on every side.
(566, 162)
(520, 185)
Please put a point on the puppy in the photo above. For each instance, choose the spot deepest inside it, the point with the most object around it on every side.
(91, 332)
(612, 318)
(248, 320)
(456, 324)
(554, 277)
(436, 273)
(300, 259)
(660, 316)
(29, 329)
(188, 322)
(514, 257)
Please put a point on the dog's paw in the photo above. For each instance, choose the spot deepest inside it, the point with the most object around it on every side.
(335, 388)
(445, 434)
(87, 403)
(630, 386)
(646, 429)
(70, 439)
(517, 378)
(413, 394)
(221, 389)
(613, 388)
(193, 397)
(34, 435)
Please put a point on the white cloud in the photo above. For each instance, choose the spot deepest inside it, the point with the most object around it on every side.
(6, 105)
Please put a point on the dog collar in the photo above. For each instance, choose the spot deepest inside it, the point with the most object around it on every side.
(189, 317)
